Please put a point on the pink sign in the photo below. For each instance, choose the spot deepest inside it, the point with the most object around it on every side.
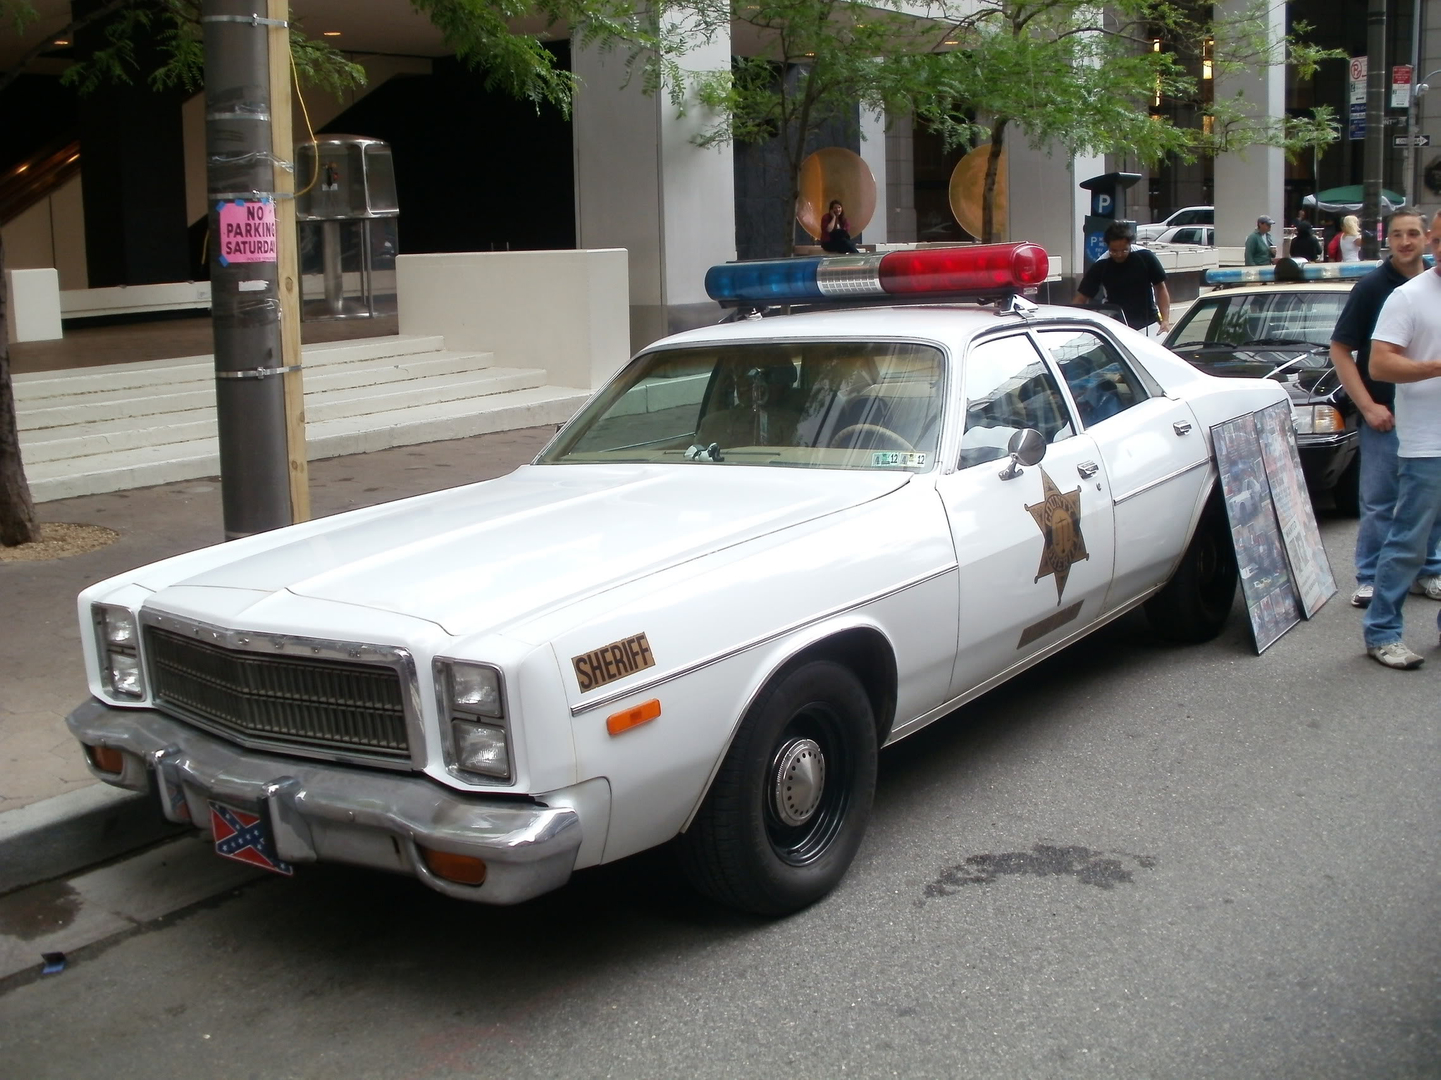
(247, 231)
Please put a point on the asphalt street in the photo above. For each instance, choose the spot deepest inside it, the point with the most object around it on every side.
(1137, 860)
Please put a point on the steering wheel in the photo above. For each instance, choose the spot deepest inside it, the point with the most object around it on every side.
(877, 437)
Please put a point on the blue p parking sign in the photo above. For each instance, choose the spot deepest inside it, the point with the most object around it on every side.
(1103, 204)
(1095, 245)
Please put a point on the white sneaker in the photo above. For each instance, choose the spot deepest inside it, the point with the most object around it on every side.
(1362, 596)
(1395, 655)
(1427, 585)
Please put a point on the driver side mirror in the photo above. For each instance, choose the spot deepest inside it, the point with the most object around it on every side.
(1027, 447)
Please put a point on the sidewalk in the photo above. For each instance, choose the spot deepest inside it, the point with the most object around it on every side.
(41, 673)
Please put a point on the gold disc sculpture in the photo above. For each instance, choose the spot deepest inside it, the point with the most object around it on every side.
(968, 185)
(835, 173)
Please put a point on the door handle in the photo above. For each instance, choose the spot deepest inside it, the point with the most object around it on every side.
(1181, 427)
(1087, 469)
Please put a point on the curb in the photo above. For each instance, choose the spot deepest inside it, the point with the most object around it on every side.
(70, 832)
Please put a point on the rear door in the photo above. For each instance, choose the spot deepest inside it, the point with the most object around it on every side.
(1151, 446)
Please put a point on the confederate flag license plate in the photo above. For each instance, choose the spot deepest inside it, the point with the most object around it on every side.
(245, 837)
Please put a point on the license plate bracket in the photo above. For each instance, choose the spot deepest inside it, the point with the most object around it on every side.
(245, 836)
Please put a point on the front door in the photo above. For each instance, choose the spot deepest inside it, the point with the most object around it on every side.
(1035, 544)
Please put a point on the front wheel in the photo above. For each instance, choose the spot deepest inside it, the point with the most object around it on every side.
(787, 811)
(1197, 600)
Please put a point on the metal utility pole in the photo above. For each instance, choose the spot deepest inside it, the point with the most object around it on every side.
(1376, 72)
(248, 296)
(1410, 188)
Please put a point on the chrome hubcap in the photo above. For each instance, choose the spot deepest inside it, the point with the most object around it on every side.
(800, 779)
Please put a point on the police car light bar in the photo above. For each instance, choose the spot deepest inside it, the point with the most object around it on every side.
(985, 270)
(1242, 275)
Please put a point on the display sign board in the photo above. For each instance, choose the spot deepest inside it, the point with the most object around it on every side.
(1410, 140)
(1357, 128)
(1310, 571)
(1284, 570)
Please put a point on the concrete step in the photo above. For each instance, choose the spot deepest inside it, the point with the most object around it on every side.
(143, 466)
(148, 409)
(131, 432)
(34, 386)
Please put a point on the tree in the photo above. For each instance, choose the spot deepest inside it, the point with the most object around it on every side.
(478, 31)
(819, 60)
(1091, 80)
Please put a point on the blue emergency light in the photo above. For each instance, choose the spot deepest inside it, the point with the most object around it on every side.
(1244, 275)
(982, 270)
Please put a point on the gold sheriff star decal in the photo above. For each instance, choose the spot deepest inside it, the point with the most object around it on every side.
(1058, 516)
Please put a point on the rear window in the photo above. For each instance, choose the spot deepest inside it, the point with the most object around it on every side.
(1276, 318)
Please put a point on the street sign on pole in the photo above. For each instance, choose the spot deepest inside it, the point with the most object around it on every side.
(1410, 140)
(1401, 86)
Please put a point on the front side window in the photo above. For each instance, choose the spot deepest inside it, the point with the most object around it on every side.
(1101, 381)
(845, 405)
(1009, 388)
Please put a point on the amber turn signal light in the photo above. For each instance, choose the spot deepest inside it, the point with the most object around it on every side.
(461, 869)
(641, 714)
(106, 759)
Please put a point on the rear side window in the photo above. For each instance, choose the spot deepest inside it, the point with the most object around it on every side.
(1101, 381)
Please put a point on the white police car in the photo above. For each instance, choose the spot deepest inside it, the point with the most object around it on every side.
(763, 551)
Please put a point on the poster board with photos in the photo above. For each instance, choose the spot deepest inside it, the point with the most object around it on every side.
(1266, 583)
(1310, 569)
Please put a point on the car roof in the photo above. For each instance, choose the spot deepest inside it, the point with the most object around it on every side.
(948, 323)
(1266, 288)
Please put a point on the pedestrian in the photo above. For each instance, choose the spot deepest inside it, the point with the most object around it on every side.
(1134, 280)
(1304, 244)
(1376, 434)
(836, 231)
(1406, 350)
(1345, 246)
(1260, 248)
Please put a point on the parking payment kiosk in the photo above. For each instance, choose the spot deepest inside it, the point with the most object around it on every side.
(1108, 204)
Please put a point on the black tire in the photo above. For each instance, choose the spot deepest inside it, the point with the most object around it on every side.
(768, 847)
(1347, 492)
(1196, 602)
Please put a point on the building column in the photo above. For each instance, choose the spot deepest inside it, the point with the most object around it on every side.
(1048, 207)
(1252, 181)
(873, 153)
(641, 184)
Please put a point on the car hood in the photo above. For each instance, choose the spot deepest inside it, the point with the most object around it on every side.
(1306, 371)
(477, 557)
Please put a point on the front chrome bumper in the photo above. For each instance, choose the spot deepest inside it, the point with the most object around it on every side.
(319, 812)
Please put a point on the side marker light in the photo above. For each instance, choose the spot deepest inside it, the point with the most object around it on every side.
(461, 869)
(643, 713)
(106, 759)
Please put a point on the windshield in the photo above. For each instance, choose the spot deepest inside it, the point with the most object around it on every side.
(834, 405)
(1277, 319)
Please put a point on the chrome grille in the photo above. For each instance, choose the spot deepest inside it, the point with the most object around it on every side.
(280, 702)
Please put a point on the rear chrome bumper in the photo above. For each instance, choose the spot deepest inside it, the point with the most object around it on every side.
(320, 812)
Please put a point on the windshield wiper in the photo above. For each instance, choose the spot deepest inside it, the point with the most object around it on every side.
(1275, 341)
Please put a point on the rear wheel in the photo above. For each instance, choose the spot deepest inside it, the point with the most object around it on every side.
(1196, 602)
(787, 811)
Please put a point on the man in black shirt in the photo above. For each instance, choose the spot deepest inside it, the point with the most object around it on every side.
(1134, 281)
(1406, 236)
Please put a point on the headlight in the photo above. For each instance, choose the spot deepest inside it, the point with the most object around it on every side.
(472, 700)
(118, 641)
(1317, 419)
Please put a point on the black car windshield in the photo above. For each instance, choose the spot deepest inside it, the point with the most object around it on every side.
(1277, 319)
(812, 404)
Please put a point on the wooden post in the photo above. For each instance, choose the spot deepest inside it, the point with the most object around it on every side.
(286, 182)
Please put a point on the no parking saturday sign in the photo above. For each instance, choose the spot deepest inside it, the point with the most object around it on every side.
(247, 231)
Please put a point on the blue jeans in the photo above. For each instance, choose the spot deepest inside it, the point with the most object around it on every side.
(1415, 532)
(1378, 502)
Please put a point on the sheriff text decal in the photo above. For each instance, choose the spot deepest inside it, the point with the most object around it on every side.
(611, 662)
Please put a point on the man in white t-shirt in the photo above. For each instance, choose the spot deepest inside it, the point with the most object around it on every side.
(1406, 350)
